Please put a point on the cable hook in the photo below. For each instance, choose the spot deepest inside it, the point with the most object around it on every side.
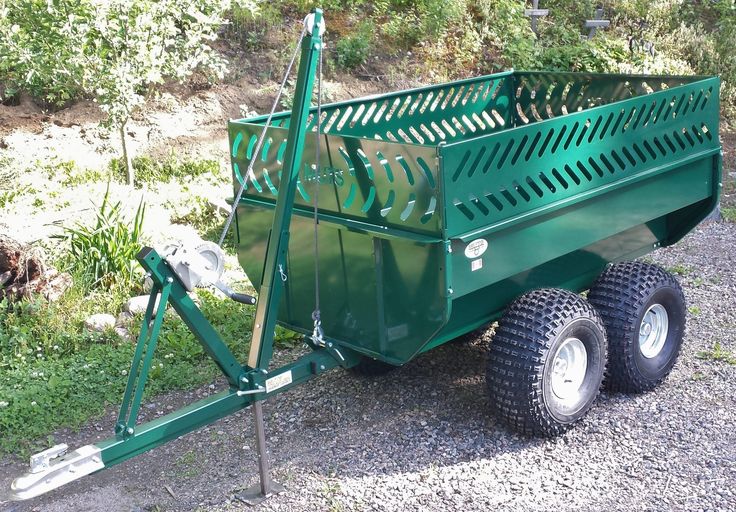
(317, 334)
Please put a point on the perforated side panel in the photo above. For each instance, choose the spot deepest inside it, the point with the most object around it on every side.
(543, 95)
(505, 175)
(429, 115)
(384, 183)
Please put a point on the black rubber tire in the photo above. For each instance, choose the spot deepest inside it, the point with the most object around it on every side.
(521, 356)
(369, 367)
(622, 295)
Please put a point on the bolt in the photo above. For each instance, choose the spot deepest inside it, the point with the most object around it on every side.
(329, 344)
(169, 279)
(244, 380)
(321, 367)
(130, 431)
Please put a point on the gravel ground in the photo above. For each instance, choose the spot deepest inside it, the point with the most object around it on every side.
(422, 439)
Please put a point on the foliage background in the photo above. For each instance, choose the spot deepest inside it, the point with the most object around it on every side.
(43, 42)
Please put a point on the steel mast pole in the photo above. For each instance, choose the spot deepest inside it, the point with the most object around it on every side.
(275, 268)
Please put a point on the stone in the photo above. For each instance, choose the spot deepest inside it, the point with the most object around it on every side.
(124, 319)
(123, 333)
(136, 305)
(100, 322)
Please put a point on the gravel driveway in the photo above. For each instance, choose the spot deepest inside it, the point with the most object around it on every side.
(422, 439)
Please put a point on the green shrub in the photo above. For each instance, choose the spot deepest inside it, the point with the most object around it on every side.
(408, 22)
(104, 253)
(353, 50)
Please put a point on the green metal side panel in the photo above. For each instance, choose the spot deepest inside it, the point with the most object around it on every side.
(543, 95)
(540, 166)
(426, 115)
(523, 246)
(381, 296)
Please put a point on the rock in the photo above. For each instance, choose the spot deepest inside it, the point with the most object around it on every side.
(136, 305)
(55, 285)
(123, 333)
(100, 322)
(124, 319)
(220, 207)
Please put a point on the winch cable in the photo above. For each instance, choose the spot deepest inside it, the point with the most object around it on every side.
(317, 333)
(249, 171)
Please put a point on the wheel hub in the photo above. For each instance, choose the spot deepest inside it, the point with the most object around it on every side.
(569, 366)
(653, 331)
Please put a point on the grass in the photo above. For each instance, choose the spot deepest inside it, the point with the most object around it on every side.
(206, 218)
(718, 354)
(680, 270)
(54, 373)
(151, 171)
(694, 310)
(729, 214)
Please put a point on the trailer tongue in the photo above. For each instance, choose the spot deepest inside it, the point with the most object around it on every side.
(435, 211)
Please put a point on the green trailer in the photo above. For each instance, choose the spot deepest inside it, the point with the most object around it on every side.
(383, 227)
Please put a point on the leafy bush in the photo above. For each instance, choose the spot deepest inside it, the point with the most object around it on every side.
(353, 50)
(104, 253)
(408, 22)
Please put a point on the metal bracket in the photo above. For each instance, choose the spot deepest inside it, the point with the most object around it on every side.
(41, 461)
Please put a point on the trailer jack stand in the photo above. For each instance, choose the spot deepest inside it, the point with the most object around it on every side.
(267, 487)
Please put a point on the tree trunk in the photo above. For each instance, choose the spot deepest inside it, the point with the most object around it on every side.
(126, 156)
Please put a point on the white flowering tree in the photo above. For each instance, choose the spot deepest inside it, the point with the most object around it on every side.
(114, 51)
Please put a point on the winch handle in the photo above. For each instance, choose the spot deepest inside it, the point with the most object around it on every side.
(243, 298)
(237, 297)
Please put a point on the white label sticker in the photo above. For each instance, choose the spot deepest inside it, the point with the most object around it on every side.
(278, 381)
(476, 265)
(476, 248)
(397, 331)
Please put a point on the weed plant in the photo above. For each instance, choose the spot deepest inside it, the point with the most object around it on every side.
(104, 253)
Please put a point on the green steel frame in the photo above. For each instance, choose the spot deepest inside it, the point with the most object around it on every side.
(246, 384)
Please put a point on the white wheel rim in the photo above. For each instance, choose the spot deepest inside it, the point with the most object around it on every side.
(653, 331)
(569, 366)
